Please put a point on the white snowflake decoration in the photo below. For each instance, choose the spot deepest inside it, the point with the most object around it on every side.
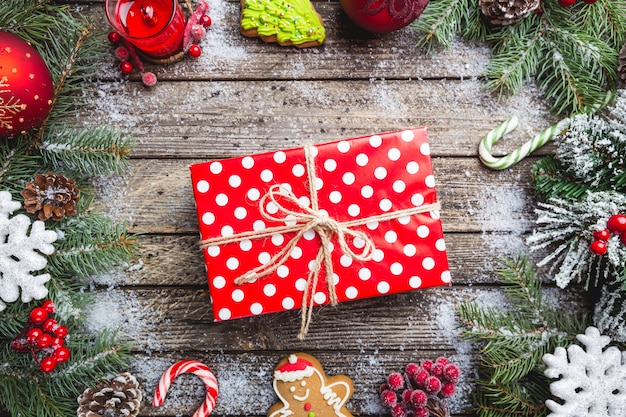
(21, 253)
(593, 382)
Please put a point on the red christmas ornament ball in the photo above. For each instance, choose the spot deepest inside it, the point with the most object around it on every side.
(26, 86)
(383, 16)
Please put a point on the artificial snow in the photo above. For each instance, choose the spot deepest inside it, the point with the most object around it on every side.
(21, 253)
(591, 380)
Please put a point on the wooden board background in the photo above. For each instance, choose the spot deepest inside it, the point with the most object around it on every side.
(244, 96)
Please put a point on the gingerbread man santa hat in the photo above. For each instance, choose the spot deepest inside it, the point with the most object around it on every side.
(304, 389)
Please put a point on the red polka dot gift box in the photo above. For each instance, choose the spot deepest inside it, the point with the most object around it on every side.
(320, 224)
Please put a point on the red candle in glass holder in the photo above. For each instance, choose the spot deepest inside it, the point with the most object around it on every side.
(155, 27)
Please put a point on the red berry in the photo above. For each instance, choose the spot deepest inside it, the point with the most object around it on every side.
(420, 377)
(617, 223)
(194, 51)
(48, 364)
(447, 390)
(33, 333)
(598, 247)
(57, 342)
(49, 325)
(419, 398)
(49, 306)
(44, 340)
(389, 398)
(432, 385)
(114, 37)
(398, 411)
(406, 396)
(61, 354)
(437, 370)
(442, 360)
(451, 373)
(205, 20)
(126, 67)
(410, 369)
(38, 315)
(603, 234)
(421, 412)
(60, 331)
(395, 381)
(384, 387)
(567, 3)
(426, 364)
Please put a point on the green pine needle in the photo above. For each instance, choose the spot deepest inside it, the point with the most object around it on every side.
(513, 343)
(91, 245)
(571, 52)
(94, 150)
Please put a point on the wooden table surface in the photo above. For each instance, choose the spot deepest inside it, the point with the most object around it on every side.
(243, 96)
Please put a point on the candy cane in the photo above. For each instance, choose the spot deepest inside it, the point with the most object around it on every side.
(189, 366)
(484, 149)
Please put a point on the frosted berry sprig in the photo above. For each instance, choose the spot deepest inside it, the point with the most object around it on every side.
(44, 338)
(129, 60)
(421, 390)
(616, 224)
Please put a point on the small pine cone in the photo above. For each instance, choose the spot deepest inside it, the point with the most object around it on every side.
(622, 64)
(507, 12)
(51, 196)
(119, 397)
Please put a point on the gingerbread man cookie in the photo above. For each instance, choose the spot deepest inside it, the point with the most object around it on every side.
(305, 391)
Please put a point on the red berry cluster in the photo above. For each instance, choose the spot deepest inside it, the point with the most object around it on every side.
(569, 3)
(420, 388)
(44, 338)
(617, 225)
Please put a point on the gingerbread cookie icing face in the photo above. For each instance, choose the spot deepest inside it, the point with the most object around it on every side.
(305, 391)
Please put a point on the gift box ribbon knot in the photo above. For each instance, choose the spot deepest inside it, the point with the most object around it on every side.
(303, 220)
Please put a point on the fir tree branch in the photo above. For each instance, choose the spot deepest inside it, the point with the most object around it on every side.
(93, 150)
(92, 245)
(442, 20)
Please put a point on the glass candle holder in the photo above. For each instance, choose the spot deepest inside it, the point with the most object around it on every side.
(154, 27)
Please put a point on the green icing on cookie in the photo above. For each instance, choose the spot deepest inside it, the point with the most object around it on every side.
(293, 20)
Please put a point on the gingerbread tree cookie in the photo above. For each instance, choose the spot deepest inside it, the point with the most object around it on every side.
(305, 391)
(292, 22)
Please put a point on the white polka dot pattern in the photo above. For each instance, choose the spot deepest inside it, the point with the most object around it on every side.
(356, 179)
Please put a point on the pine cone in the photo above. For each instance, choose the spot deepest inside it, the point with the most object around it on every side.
(621, 70)
(51, 196)
(119, 397)
(507, 12)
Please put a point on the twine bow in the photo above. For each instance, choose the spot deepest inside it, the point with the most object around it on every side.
(302, 219)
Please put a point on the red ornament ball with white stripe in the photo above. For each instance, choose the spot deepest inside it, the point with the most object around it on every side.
(26, 86)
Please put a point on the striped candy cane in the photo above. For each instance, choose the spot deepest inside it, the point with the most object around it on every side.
(484, 149)
(194, 367)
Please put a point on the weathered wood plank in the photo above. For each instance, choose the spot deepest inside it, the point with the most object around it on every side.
(170, 319)
(349, 52)
(206, 119)
(157, 197)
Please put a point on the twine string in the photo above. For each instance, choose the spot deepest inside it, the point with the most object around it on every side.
(301, 218)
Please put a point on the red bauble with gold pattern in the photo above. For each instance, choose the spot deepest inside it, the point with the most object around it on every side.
(26, 86)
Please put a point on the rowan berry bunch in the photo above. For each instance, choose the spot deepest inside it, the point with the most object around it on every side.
(422, 390)
(616, 225)
(44, 338)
